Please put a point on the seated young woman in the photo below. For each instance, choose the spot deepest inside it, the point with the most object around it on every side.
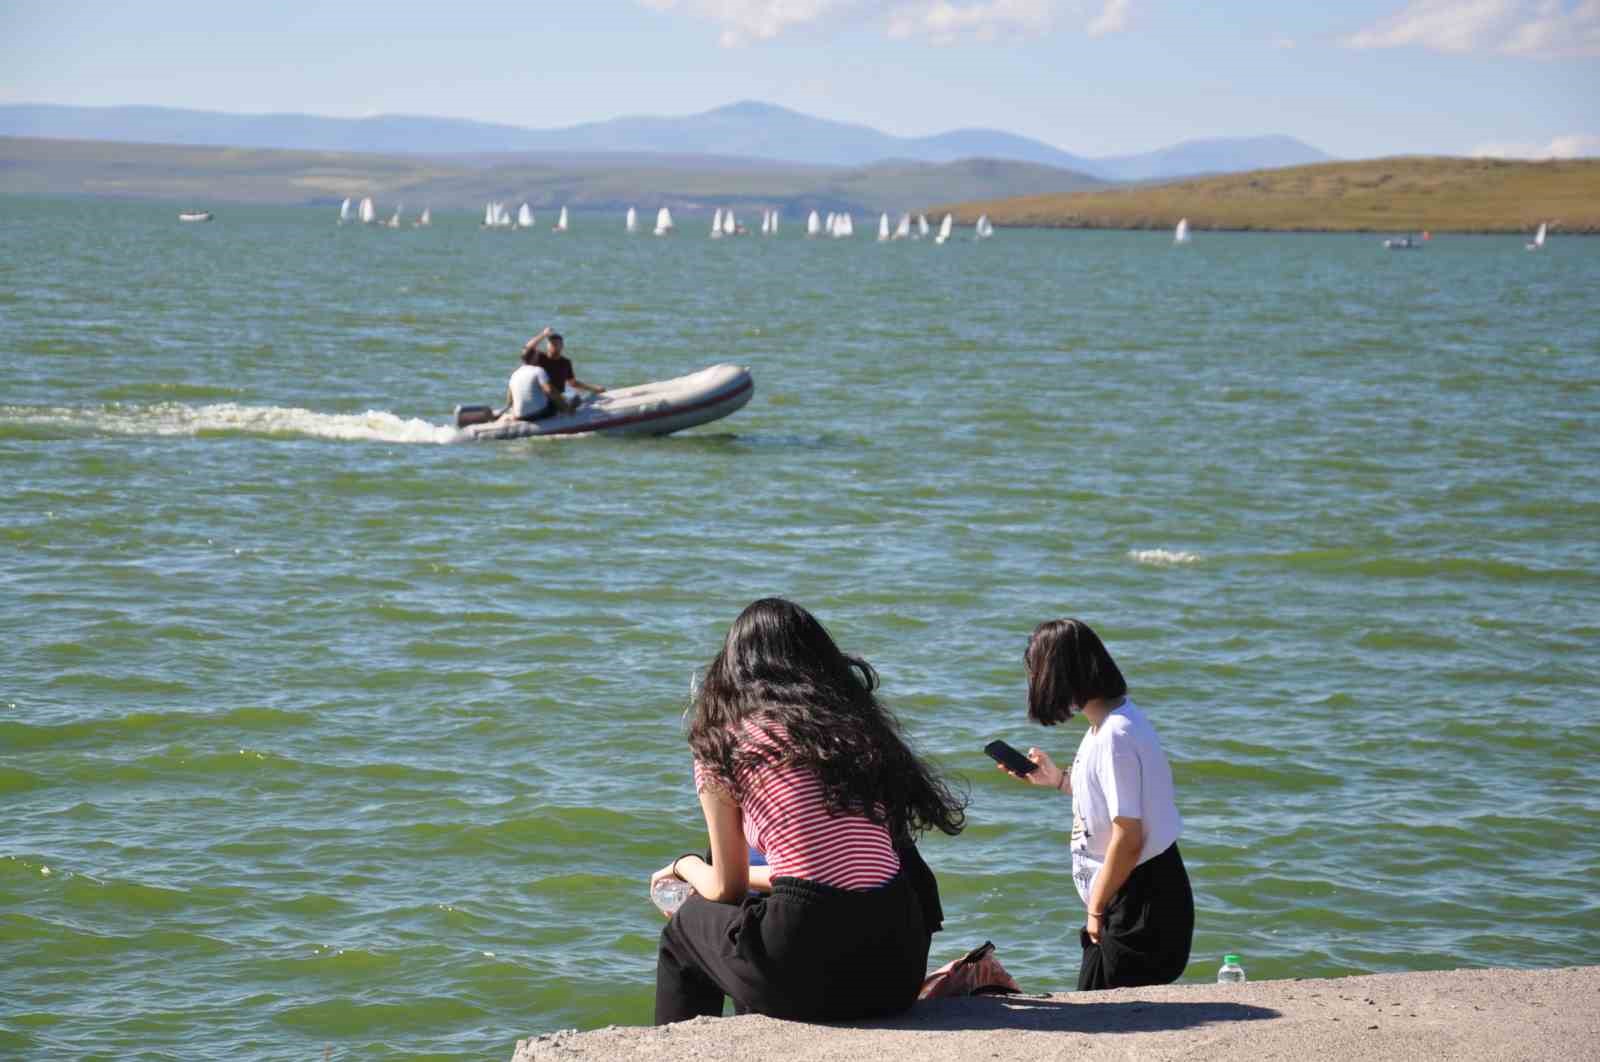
(795, 757)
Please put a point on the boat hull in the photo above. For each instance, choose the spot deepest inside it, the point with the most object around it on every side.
(659, 408)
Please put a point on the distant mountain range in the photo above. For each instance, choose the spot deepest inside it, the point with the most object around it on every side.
(747, 130)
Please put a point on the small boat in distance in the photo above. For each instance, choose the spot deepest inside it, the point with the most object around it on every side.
(716, 224)
(945, 228)
(194, 215)
(524, 217)
(730, 227)
(922, 226)
(658, 408)
(1538, 239)
(369, 212)
(1181, 233)
(902, 231)
(347, 211)
(663, 221)
(631, 224)
(1404, 243)
(883, 228)
(983, 229)
(561, 222)
(424, 219)
(394, 219)
(813, 224)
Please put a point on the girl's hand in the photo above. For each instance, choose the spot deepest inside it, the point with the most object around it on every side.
(1048, 774)
(664, 872)
(1091, 925)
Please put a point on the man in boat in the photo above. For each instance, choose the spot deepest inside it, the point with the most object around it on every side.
(529, 395)
(559, 367)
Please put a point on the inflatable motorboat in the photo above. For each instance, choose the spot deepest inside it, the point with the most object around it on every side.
(649, 409)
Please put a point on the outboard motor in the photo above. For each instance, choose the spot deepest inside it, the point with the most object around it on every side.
(466, 416)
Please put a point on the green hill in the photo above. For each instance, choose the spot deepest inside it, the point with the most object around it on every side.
(208, 175)
(1379, 195)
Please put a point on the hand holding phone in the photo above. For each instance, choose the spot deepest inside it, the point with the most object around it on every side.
(1010, 758)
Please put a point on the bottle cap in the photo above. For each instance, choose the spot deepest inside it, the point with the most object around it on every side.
(1232, 960)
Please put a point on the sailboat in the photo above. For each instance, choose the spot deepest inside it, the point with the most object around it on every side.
(729, 226)
(716, 224)
(394, 219)
(902, 231)
(369, 213)
(561, 222)
(883, 228)
(1538, 239)
(524, 217)
(828, 225)
(922, 226)
(1181, 233)
(773, 231)
(424, 219)
(663, 221)
(632, 224)
(346, 211)
(945, 228)
(843, 226)
(983, 229)
(813, 224)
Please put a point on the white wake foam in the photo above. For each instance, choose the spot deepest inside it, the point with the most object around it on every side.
(1163, 558)
(175, 418)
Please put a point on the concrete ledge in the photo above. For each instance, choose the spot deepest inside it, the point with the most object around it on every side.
(1459, 1014)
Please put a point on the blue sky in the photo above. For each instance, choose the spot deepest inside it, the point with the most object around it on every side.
(1356, 78)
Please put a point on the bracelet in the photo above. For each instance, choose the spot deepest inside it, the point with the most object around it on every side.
(1097, 914)
(685, 855)
(1060, 785)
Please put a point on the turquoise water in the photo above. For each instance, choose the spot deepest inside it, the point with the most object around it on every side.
(314, 731)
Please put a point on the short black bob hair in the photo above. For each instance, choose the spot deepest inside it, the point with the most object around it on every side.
(1068, 666)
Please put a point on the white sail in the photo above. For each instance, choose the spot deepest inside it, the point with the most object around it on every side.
(945, 228)
(663, 221)
(525, 216)
(632, 224)
(346, 211)
(729, 226)
(883, 228)
(902, 231)
(561, 222)
(813, 224)
(774, 229)
(424, 219)
(766, 222)
(828, 225)
(1538, 239)
(922, 224)
(369, 213)
(716, 224)
(1181, 233)
(843, 226)
(394, 220)
(982, 230)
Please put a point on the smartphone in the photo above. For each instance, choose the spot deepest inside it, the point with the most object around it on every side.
(1010, 758)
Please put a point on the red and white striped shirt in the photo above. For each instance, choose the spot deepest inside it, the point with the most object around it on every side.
(787, 821)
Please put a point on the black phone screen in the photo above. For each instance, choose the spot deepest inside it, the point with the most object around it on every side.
(1010, 758)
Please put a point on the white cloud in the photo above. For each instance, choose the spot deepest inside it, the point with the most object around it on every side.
(1283, 44)
(1571, 146)
(740, 22)
(944, 22)
(1534, 29)
(1113, 18)
(747, 20)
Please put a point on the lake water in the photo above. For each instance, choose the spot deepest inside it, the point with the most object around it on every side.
(315, 731)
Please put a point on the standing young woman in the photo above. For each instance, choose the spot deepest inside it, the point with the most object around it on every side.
(795, 757)
(1125, 822)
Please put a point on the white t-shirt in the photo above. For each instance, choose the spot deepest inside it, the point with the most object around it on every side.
(1120, 772)
(527, 391)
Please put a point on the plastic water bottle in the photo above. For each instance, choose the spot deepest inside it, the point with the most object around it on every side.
(668, 895)
(1231, 973)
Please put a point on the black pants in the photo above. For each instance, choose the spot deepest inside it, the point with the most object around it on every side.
(808, 952)
(1147, 929)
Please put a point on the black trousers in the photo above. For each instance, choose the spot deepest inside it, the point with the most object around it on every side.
(807, 952)
(1147, 929)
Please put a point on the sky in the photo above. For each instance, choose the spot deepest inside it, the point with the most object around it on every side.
(1357, 78)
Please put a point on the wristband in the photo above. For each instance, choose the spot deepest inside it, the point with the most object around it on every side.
(685, 855)
(1061, 785)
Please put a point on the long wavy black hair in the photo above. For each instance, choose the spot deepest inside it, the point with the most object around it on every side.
(779, 667)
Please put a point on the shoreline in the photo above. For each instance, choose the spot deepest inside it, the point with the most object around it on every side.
(1457, 1014)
